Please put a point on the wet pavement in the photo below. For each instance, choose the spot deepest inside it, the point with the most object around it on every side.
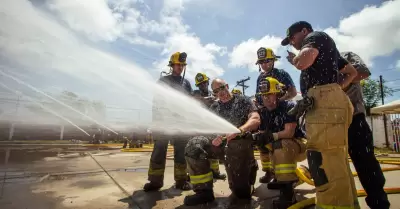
(74, 177)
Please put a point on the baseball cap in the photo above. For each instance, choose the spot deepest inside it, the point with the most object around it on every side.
(294, 28)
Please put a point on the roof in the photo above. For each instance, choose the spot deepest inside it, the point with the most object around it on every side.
(389, 108)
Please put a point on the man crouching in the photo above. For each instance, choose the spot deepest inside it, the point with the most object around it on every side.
(282, 133)
(240, 163)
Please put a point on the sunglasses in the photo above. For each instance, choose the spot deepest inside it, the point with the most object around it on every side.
(217, 90)
(265, 61)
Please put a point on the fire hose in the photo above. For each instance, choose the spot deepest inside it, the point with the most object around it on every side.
(301, 173)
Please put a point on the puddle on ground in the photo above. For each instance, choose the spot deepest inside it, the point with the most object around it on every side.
(19, 155)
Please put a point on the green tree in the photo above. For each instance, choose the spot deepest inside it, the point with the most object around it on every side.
(372, 93)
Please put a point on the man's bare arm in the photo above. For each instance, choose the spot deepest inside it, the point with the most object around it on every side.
(360, 76)
(349, 73)
(305, 58)
(288, 132)
(290, 94)
(252, 123)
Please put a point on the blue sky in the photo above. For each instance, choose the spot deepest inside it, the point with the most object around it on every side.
(109, 50)
(240, 21)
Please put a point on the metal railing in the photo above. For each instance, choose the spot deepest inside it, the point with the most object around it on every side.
(395, 127)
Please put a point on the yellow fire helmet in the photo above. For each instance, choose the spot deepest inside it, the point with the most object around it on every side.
(265, 54)
(270, 86)
(178, 58)
(200, 78)
(236, 91)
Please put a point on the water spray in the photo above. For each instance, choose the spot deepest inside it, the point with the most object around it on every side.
(56, 100)
(46, 108)
(56, 50)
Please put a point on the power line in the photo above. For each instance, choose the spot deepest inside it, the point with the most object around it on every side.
(242, 83)
(393, 80)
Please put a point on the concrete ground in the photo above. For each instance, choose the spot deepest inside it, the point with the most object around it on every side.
(60, 178)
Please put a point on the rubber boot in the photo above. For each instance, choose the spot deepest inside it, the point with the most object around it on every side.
(183, 185)
(152, 186)
(219, 176)
(201, 197)
(286, 198)
(125, 144)
(267, 178)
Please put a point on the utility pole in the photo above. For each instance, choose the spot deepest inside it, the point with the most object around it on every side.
(381, 89)
(384, 115)
(241, 83)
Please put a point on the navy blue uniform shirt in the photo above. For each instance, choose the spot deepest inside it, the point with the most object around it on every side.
(276, 119)
(177, 83)
(279, 74)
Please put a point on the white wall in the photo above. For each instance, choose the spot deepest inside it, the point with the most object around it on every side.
(378, 130)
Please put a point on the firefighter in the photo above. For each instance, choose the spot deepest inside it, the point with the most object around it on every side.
(205, 96)
(98, 136)
(329, 114)
(240, 164)
(156, 171)
(361, 147)
(236, 91)
(283, 135)
(266, 59)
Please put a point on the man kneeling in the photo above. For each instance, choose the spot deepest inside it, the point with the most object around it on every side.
(283, 135)
(240, 163)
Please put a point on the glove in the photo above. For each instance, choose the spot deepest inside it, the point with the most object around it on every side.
(263, 138)
(196, 147)
(303, 105)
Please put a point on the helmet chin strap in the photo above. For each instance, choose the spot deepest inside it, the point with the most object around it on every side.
(183, 77)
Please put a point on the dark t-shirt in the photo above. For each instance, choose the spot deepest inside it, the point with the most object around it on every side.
(326, 66)
(207, 103)
(158, 100)
(176, 83)
(279, 74)
(236, 111)
(275, 120)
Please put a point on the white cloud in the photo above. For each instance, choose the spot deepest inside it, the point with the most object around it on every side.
(398, 64)
(104, 20)
(201, 57)
(91, 17)
(112, 19)
(372, 32)
(245, 53)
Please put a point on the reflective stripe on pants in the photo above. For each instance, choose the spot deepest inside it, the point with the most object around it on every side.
(214, 164)
(159, 157)
(285, 169)
(201, 179)
(266, 162)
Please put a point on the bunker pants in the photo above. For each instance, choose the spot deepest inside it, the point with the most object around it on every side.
(240, 164)
(159, 155)
(327, 134)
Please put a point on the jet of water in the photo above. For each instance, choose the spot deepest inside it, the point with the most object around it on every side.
(54, 99)
(46, 108)
(53, 55)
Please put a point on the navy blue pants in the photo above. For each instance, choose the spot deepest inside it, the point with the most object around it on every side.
(361, 150)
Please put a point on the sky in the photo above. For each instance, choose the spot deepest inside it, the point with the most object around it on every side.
(221, 38)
